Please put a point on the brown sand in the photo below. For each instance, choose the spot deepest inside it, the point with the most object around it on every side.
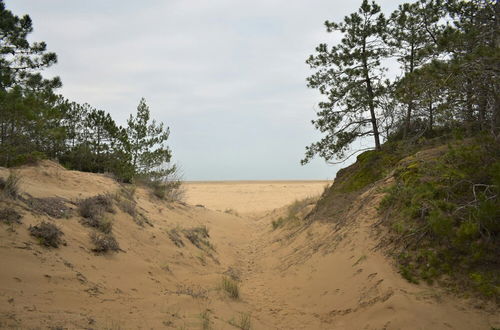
(318, 277)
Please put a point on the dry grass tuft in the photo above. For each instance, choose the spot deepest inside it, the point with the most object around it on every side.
(230, 287)
(243, 322)
(10, 186)
(47, 234)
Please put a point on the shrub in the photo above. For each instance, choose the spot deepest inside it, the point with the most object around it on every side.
(10, 187)
(230, 287)
(171, 191)
(9, 216)
(92, 210)
(47, 234)
(103, 242)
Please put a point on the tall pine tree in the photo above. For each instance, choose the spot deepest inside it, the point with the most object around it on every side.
(350, 76)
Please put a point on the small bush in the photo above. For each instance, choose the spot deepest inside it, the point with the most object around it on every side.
(231, 287)
(9, 216)
(92, 210)
(103, 242)
(47, 234)
(10, 187)
(95, 206)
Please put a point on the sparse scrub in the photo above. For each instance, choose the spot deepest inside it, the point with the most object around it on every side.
(128, 206)
(47, 234)
(175, 237)
(9, 215)
(10, 186)
(243, 321)
(52, 206)
(198, 236)
(230, 287)
(103, 242)
(295, 213)
(92, 210)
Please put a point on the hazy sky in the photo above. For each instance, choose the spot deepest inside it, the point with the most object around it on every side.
(227, 76)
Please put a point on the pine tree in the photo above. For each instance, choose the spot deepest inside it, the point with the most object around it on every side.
(147, 143)
(412, 38)
(350, 76)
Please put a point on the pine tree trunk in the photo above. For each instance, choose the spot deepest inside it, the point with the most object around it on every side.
(371, 105)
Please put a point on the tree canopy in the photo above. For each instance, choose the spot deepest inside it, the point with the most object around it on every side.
(36, 122)
(448, 53)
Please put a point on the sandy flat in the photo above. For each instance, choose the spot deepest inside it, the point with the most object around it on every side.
(250, 196)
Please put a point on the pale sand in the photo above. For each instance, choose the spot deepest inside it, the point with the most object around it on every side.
(251, 196)
(318, 277)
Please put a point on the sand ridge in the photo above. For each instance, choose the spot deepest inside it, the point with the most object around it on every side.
(317, 277)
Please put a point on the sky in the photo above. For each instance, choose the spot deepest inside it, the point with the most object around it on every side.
(228, 77)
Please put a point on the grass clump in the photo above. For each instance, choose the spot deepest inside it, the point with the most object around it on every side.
(198, 236)
(10, 186)
(231, 287)
(92, 210)
(296, 212)
(205, 320)
(103, 242)
(445, 212)
(175, 237)
(242, 322)
(9, 215)
(47, 234)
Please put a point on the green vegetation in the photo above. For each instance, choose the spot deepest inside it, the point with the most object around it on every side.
(444, 207)
(231, 287)
(294, 213)
(48, 234)
(446, 212)
(37, 123)
(448, 53)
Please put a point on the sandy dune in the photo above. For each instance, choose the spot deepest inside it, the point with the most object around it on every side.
(318, 277)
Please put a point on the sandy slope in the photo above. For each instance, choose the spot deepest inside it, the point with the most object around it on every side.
(320, 277)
